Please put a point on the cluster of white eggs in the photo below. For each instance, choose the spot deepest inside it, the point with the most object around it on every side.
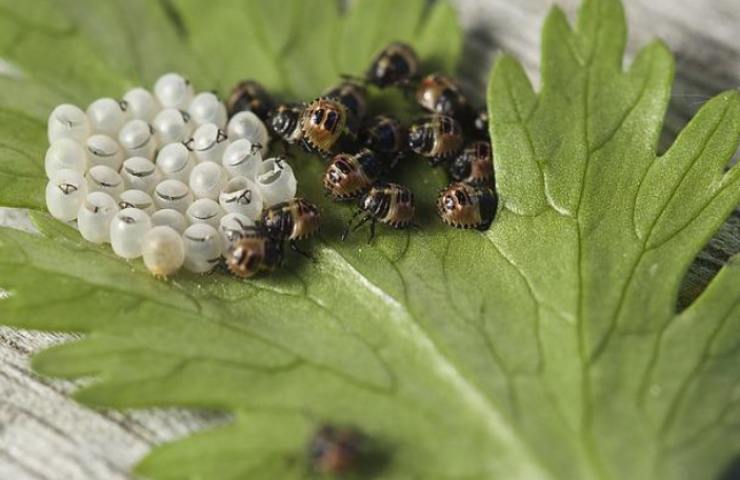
(164, 176)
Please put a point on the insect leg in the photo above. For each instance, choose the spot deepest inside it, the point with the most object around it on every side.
(286, 152)
(294, 247)
(362, 222)
(395, 160)
(349, 224)
(372, 231)
(353, 78)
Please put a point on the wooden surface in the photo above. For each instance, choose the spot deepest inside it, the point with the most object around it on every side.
(44, 434)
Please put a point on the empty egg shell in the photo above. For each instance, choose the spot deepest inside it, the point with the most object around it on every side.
(241, 159)
(276, 181)
(241, 195)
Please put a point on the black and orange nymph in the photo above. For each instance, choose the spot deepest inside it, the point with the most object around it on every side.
(437, 137)
(395, 65)
(385, 136)
(348, 175)
(254, 252)
(461, 205)
(480, 125)
(285, 121)
(352, 95)
(325, 128)
(474, 165)
(249, 95)
(335, 450)
(438, 93)
(294, 220)
(388, 203)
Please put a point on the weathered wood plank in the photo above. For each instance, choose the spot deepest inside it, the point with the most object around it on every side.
(46, 435)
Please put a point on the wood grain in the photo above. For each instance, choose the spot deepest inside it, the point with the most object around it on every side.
(44, 434)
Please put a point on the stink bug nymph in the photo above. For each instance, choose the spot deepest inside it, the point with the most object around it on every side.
(474, 165)
(441, 94)
(387, 203)
(285, 121)
(437, 137)
(396, 65)
(335, 450)
(352, 95)
(465, 206)
(294, 220)
(324, 126)
(254, 252)
(480, 125)
(384, 135)
(249, 95)
(348, 176)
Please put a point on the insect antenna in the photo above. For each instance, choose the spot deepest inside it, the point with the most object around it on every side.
(353, 78)
(221, 266)
(295, 248)
(372, 231)
(363, 222)
(407, 88)
(349, 224)
(408, 85)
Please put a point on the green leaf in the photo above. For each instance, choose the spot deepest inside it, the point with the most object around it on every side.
(23, 143)
(548, 347)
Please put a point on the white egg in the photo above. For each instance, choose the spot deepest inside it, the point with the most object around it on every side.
(95, 215)
(106, 116)
(163, 251)
(231, 226)
(141, 104)
(247, 125)
(170, 218)
(173, 91)
(172, 125)
(173, 194)
(276, 181)
(65, 153)
(241, 195)
(207, 180)
(137, 139)
(68, 121)
(136, 199)
(139, 173)
(127, 230)
(104, 150)
(241, 159)
(65, 192)
(203, 247)
(175, 161)
(207, 108)
(209, 143)
(104, 179)
(204, 210)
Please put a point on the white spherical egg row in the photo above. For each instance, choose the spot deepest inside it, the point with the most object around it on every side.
(162, 174)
